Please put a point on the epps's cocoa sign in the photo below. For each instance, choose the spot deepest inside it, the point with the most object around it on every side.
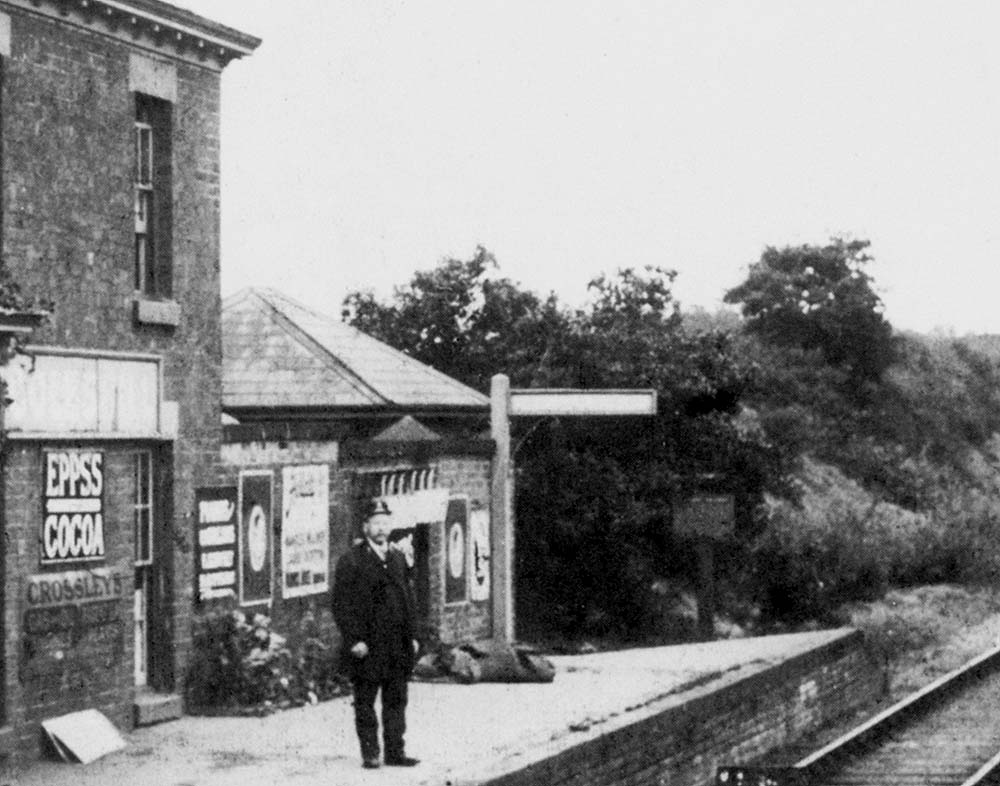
(73, 515)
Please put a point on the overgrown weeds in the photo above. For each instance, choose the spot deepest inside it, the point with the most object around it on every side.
(924, 632)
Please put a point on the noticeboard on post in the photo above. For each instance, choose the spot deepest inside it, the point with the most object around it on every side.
(706, 516)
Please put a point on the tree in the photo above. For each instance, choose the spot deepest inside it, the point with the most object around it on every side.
(594, 495)
(820, 298)
(467, 322)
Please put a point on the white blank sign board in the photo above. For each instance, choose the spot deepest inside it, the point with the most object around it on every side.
(549, 402)
(83, 736)
(61, 393)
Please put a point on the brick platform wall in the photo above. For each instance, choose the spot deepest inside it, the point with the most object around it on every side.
(682, 744)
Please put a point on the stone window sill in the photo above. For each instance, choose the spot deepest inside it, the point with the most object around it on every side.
(157, 312)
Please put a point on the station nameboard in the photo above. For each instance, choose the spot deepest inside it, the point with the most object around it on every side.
(706, 515)
(556, 401)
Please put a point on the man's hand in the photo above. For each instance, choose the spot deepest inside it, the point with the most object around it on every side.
(416, 646)
(359, 650)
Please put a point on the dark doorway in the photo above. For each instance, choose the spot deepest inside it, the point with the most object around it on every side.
(422, 579)
(153, 569)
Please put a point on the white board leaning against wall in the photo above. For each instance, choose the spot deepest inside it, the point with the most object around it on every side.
(305, 530)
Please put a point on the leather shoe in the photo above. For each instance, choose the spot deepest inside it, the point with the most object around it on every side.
(370, 764)
(401, 761)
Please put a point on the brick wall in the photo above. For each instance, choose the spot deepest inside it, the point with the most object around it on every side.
(296, 617)
(466, 621)
(683, 743)
(72, 666)
(310, 615)
(67, 231)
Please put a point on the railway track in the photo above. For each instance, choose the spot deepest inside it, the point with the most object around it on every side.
(946, 734)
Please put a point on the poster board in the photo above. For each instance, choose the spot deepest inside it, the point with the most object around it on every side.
(256, 545)
(215, 543)
(305, 530)
(479, 554)
(456, 533)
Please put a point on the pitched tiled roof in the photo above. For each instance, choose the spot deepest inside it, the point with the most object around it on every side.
(279, 353)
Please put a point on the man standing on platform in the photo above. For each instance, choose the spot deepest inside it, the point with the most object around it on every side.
(374, 608)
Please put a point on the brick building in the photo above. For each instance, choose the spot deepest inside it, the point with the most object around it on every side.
(327, 420)
(110, 208)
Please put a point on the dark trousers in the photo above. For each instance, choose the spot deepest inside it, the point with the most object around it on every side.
(394, 695)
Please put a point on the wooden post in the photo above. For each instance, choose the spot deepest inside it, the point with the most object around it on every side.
(502, 512)
(706, 588)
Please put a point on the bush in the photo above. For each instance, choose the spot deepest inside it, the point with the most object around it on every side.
(240, 664)
(842, 545)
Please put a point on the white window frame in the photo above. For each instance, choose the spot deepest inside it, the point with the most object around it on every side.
(138, 507)
(144, 206)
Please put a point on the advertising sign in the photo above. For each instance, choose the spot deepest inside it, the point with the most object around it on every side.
(215, 565)
(305, 530)
(72, 631)
(456, 554)
(73, 507)
(80, 586)
(479, 535)
(256, 546)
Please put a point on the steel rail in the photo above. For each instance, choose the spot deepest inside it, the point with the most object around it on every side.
(808, 768)
(984, 773)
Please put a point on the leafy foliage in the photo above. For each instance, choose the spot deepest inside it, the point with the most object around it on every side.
(241, 665)
(820, 298)
(898, 432)
(859, 458)
(594, 495)
(842, 544)
(459, 318)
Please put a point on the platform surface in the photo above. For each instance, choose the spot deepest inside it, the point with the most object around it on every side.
(461, 733)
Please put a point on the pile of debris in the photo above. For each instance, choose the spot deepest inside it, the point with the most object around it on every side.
(484, 662)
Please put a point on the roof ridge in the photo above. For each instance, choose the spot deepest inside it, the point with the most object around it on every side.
(290, 326)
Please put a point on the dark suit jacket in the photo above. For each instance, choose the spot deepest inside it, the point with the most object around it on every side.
(362, 608)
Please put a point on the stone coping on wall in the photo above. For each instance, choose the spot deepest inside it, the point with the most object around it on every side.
(694, 711)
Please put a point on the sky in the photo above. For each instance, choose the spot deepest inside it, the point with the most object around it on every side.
(368, 139)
